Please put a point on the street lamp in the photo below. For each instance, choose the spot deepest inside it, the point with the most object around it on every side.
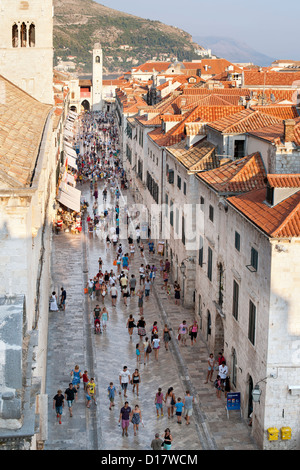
(183, 268)
(256, 393)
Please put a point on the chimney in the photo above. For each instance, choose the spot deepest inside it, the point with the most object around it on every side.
(289, 127)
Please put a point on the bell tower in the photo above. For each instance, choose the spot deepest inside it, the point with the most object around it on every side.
(26, 46)
(97, 77)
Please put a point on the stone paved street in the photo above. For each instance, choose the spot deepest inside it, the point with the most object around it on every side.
(72, 341)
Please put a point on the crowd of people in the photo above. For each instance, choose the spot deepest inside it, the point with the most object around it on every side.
(99, 167)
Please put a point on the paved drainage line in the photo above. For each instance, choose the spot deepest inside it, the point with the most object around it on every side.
(91, 415)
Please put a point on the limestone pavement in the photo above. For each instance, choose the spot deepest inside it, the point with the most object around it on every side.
(72, 341)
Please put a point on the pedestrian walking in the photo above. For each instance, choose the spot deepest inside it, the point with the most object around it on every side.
(159, 399)
(88, 397)
(210, 368)
(113, 294)
(104, 318)
(141, 325)
(92, 389)
(168, 439)
(138, 354)
(147, 288)
(85, 379)
(136, 418)
(156, 346)
(154, 330)
(132, 284)
(182, 332)
(63, 298)
(188, 406)
(193, 331)
(124, 377)
(177, 293)
(124, 418)
(130, 325)
(111, 394)
(170, 402)
(147, 350)
(166, 337)
(141, 300)
(76, 377)
(136, 380)
(70, 396)
(58, 405)
(218, 386)
(157, 442)
(53, 302)
(179, 405)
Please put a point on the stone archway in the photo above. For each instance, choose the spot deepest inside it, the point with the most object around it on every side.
(86, 105)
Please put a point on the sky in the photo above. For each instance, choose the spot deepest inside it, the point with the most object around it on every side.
(269, 26)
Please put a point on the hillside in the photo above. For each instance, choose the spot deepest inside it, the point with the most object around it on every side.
(79, 24)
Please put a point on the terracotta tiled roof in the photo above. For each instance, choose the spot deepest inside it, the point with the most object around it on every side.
(200, 113)
(217, 66)
(268, 78)
(284, 180)
(22, 121)
(237, 176)
(150, 66)
(280, 111)
(275, 132)
(196, 158)
(279, 221)
(244, 121)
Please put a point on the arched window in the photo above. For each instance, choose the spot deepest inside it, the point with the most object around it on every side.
(15, 35)
(23, 35)
(32, 35)
(97, 59)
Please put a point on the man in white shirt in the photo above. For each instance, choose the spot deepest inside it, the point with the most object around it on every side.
(124, 377)
(114, 295)
(223, 371)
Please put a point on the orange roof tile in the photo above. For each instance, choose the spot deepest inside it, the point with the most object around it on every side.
(284, 180)
(237, 176)
(279, 221)
(268, 78)
(244, 121)
(280, 111)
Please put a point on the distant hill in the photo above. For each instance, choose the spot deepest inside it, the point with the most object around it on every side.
(79, 24)
(233, 50)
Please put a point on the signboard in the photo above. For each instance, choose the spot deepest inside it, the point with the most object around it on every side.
(233, 401)
(160, 248)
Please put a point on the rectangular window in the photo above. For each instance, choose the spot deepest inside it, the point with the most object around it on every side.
(177, 221)
(167, 205)
(211, 213)
(178, 182)
(235, 303)
(171, 213)
(209, 263)
(252, 322)
(202, 203)
(183, 231)
(200, 257)
(254, 258)
(237, 241)
(184, 188)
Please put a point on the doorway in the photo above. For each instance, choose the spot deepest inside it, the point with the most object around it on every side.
(85, 105)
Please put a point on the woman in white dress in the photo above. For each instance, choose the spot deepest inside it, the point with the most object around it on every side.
(53, 303)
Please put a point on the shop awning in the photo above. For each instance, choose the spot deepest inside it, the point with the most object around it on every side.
(69, 197)
(71, 161)
(71, 152)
